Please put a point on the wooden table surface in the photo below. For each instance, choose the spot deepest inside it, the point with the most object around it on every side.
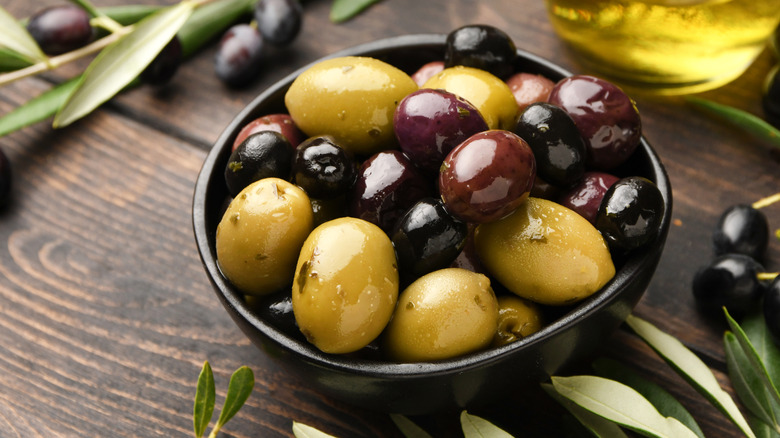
(106, 315)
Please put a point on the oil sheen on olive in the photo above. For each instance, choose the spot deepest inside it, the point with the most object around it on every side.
(345, 285)
(546, 253)
(261, 234)
(387, 185)
(443, 314)
(487, 176)
(742, 229)
(323, 169)
(557, 144)
(281, 123)
(730, 281)
(489, 94)
(585, 197)
(630, 213)
(481, 46)
(351, 98)
(427, 238)
(265, 154)
(607, 118)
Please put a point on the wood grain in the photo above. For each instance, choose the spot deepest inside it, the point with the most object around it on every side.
(106, 315)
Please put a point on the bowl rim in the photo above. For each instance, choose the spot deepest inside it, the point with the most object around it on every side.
(232, 299)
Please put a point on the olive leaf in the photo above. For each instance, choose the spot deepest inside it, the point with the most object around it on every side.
(620, 403)
(301, 430)
(209, 21)
(38, 108)
(343, 10)
(15, 37)
(666, 404)
(121, 62)
(408, 427)
(10, 60)
(689, 367)
(477, 427)
(739, 118)
(597, 425)
(761, 429)
(203, 407)
(756, 329)
(748, 386)
(242, 382)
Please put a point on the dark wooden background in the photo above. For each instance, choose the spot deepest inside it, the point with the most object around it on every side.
(106, 315)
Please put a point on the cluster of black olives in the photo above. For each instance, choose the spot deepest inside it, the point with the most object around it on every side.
(556, 150)
(242, 48)
(735, 278)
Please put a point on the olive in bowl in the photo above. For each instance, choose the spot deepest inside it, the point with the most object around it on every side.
(571, 336)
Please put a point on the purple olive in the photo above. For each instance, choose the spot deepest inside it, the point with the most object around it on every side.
(585, 197)
(429, 123)
(279, 21)
(60, 29)
(605, 116)
(239, 55)
(487, 176)
(281, 123)
(387, 185)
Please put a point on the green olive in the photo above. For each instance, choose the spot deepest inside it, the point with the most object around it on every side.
(345, 285)
(351, 98)
(443, 314)
(517, 318)
(545, 252)
(260, 235)
(489, 94)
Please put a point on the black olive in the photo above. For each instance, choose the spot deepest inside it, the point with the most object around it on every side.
(557, 144)
(279, 21)
(483, 47)
(730, 281)
(265, 154)
(630, 213)
(164, 65)
(742, 229)
(239, 55)
(323, 169)
(772, 310)
(427, 238)
(60, 29)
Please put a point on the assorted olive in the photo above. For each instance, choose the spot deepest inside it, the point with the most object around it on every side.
(60, 29)
(266, 154)
(445, 210)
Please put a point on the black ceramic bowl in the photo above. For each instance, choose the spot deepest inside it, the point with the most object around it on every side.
(416, 388)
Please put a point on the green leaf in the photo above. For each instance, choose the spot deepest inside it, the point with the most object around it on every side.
(210, 21)
(599, 426)
(739, 118)
(620, 403)
(690, 368)
(203, 408)
(666, 404)
(87, 6)
(38, 108)
(301, 430)
(10, 60)
(128, 14)
(15, 37)
(343, 10)
(748, 386)
(761, 429)
(240, 387)
(477, 427)
(757, 332)
(408, 427)
(118, 64)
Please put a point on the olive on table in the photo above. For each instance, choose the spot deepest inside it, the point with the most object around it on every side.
(771, 310)
(429, 123)
(60, 29)
(345, 285)
(239, 54)
(606, 117)
(585, 197)
(481, 46)
(164, 66)
(427, 238)
(489, 94)
(730, 281)
(323, 169)
(443, 314)
(487, 176)
(266, 154)
(528, 88)
(517, 319)
(630, 213)
(387, 185)
(742, 229)
(546, 253)
(557, 144)
(351, 98)
(281, 123)
(261, 234)
(279, 21)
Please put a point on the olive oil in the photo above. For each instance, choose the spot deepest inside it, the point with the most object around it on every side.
(670, 46)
